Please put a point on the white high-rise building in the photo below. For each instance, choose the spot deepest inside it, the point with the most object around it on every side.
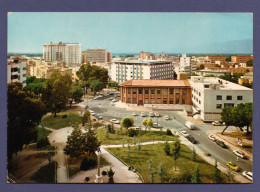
(67, 52)
(186, 65)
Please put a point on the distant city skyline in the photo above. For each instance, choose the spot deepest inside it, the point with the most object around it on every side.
(133, 32)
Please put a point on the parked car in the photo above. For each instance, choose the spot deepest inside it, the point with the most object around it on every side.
(99, 116)
(248, 175)
(114, 100)
(184, 133)
(190, 125)
(166, 117)
(114, 121)
(134, 114)
(151, 114)
(93, 113)
(233, 166)
(106, 94)
(156, 114)
(156, 125)
(143, 114)
(96, 97)
(221, 143)
(239, 153)
(216, 123)
(192, 139)
(212, 137)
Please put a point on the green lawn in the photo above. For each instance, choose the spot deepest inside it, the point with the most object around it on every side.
(59, 122)
(155, 152)
(42, 133)
(143, 136)
(46, 174)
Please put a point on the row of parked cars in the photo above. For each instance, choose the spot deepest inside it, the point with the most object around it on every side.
(98, 116)
(189, 137)
(151, 114)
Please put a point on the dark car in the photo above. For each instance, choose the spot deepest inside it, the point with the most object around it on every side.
(221, 143)
(192, 139)
(98, 116)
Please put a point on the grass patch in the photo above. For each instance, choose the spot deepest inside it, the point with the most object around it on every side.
(142, 136)
(139, 160)
(46, 174)
(59, 122)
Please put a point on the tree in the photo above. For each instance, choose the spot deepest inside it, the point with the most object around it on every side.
(249, 63)
(86, 117)
(230, 176)
(24, 113)
(167, 148)
(75, 143)
(193, 154)
(110, 174)
(86, 179)
(201, 66)
(176, 151)
(151, 171)
(217, 177)
(147, 123)
(35, 85)
(56, 92)
(196, 175)
(76, 93)
(96, 86)
(139, 145)
(227, 117)
(91, 143)
(161, 171)
(127, 122)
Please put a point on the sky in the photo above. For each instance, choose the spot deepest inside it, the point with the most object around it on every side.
(133, 32)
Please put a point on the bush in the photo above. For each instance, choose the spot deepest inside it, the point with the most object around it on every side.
(87, 163)
(168, 132)
(64, 116)
(96, 125)
(132, 132)
(104, 173)
(42, 143)
(110, 129)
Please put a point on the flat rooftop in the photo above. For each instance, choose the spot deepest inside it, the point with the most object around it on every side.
(155, 83)
(143, 62)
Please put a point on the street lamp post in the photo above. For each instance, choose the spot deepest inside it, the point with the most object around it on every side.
(98, 176)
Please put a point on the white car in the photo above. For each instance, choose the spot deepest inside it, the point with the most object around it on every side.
(239, 153)
(248, 175)
(134, 114)
(212, 137)
(114, 100)
(114, 121)
(143, 114)
(112, 103)
(216, 123)
(156, 114)
(166, 117)
(95, 98)
(93, 113)
(184, 133)
(151, 114)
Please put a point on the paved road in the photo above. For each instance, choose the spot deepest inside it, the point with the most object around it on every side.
(176, 123)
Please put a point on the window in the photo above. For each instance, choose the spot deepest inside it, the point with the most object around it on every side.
(158, 91)
(24, 68)
(152, 91)
(134, 91)
(146, 91)
(140, 91)
(165, 91)
(219, 97)
(146, 101)
(206, 86)
(14, 69)
(128, 91)
(228, 104)
(171, 100)
(24, 75)
(239, 97)
(171, 91)
(229, 97)
(164, 101)
(219, 106)
(177, 101)
(158, 101)
(152, 101)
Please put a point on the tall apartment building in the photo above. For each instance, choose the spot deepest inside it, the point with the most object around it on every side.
(213, 59)
(67, 52)
(16, 70)
(121, 71)
(241, 58)
(211, 94)
(146, 56)
(98, 55)
(186, 65)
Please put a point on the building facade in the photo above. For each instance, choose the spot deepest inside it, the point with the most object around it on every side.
(156, 92)
(146, 56)
(67, 52)
(186, 65)
(241, 58)
(213, 59)
(16, 70)
(121, 71)
(97, 55)
(211, 94)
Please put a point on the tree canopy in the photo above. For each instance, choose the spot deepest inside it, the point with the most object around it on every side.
(249, 63)
(176, 151)
(96, 85)
(127, 122)
(24, 114)
(76, 93)
(56, 92)
(147, 123)
(35, 85)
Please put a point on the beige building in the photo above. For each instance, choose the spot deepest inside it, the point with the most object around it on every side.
(97, 55)
(241, 58)
(146, 56)
(213, 59)
(16, 69)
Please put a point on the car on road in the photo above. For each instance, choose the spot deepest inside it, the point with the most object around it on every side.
(248, 175)
(216, 123)
(114, 121)
(156, 125)
(99, 116)
(151, 114)
(221, 143)
(192, 139)
(239, 153)
(166, 117)
(233, 166)
(114, 100)
(212, 137)
(184, 133)
(106, 94)
(156, 114)
(190, 125)
(134, 114)
(143, 114)
(96, 97)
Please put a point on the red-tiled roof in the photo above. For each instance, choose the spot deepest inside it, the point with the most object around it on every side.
(155, 83)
